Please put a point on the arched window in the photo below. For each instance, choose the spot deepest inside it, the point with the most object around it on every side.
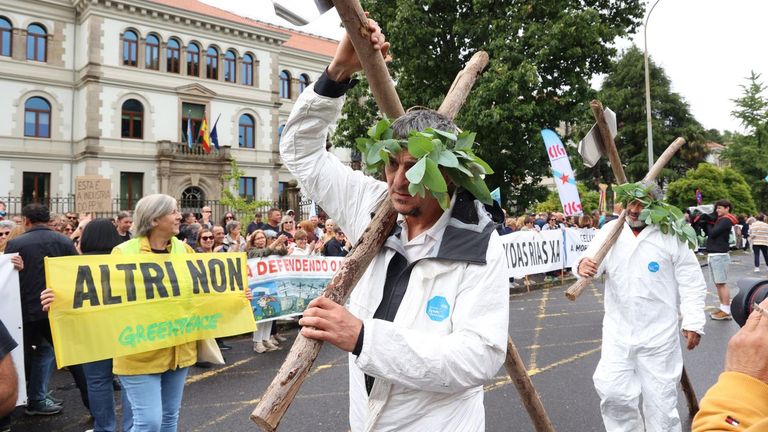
(247, 131)
(230, 66)
(37, 42)
(193, 60)
(247, 70)
(303, 82)
(285, 85)
(173, 56)
(212, 63)
(6, 37)
(192, 198)
(37, 118)
(130, 48)
(152, 53)
(132, 120)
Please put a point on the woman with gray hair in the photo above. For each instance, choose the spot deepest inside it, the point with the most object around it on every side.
(154, 380)
(233, 242)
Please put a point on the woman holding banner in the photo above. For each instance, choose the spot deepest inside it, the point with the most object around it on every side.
(264, 339)
(154, 381)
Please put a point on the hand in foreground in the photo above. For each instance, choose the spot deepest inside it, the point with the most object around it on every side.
(587, 267)
(328, 321)
(46, 299)
(346, 62)
(692, 338)
(18, 263)
(748, 349)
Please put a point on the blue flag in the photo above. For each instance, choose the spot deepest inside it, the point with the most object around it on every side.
(214, 134)
(189, 130)
(496, 195)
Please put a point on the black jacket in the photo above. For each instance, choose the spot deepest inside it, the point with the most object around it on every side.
(717, 241)
(334, 248)
(33, 246)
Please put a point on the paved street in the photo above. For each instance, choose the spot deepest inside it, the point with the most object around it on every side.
(559, 340)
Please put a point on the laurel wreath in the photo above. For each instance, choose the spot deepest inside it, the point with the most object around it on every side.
(669, 218)
(437, 152)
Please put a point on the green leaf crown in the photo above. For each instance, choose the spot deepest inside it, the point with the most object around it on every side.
(436, 152)
(656, 212)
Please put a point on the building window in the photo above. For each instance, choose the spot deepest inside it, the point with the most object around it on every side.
(303, 82)
(6, 37)
(247, 70)
(195, 113)
(173, 53)
(212, 63)
(282, 196)
(131, 189)
(37, 41)
(230, 66)
(35, 188)
(130, 48)
(247, 131)
(192, 198)
(248, 187)
(285, 85)
(132, 119)
(37, 118)
(193, 60)
(152, 53)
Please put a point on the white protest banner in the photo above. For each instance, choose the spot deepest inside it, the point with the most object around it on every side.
(531, 252)
(283, 286)
(576, 242)
(565, 179)
(10, 314)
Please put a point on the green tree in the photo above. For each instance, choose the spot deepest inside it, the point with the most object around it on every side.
(589, 200)
(542, 57)
(624, 92)
(230, 194)
(752, 108)
(715, 184)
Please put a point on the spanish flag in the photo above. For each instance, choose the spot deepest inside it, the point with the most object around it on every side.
(206, 136)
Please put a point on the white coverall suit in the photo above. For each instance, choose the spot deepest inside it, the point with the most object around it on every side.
(648, 275)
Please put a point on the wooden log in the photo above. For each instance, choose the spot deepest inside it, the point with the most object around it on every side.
(690, 394)
(383, 89)
(281, 392)
(576, 288)
(463, 84)
(528, 394)
(608, 144)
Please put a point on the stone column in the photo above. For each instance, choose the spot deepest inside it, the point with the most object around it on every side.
(19, 45)
(162, 57)
(294, 88)
(183, 60)
(255, 73)
(141, 49)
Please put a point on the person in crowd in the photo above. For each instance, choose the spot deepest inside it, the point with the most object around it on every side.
(651, 277)
(3, 211)
(190, 234)
(585, 221)
(309, 227)
(154, 380)
(551, 223)
(508, 227)
(330, 230)
(257, 223)
(5, 231)
(318, 231)
(718, 257)
(234, 242)
(274, 216)
(528, 224)
(424, 370)
(206, 217)
(188, 218)
(123, 223)
(228, 216)
(303, 247)
(38, 242)
(758, 235)
(263, 338)
(337, 246)
(287, 227)
(99, 238)
(205, 242)
(739, 399)
(9, 384)
(744, 228)
(218, 235)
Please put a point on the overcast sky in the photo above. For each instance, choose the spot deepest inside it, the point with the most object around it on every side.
(706, 47)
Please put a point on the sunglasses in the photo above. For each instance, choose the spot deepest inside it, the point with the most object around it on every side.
(229, 217)
(3, 234)
(206, 238)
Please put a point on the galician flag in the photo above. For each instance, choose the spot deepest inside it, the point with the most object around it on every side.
(206, 136)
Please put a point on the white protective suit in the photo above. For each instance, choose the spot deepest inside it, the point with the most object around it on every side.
(449, 334)
(647, 276)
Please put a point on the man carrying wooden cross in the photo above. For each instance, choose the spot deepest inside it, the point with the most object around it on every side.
(427, 323)
(650, 276)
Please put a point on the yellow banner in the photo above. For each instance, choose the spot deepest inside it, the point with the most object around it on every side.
(109, 306)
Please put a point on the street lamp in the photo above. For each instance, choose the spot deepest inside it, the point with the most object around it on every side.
(648, 90)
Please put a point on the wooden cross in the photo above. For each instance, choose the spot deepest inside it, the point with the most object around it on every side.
(281, 392)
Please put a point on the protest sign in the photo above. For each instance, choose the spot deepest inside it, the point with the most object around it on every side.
(576, 242)
(531, 252)
(115, 305)
(10, 314)
(93, 194)
(283, 286)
